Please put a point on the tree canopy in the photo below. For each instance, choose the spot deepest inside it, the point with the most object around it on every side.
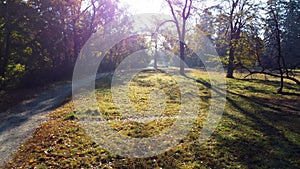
(41, 42)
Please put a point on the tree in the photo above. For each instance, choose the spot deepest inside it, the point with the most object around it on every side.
(291, 34)
(276, 35)
(184, 11)
(16, 40)
(41, 42)
(234, 21)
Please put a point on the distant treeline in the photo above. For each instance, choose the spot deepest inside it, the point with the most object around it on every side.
(40, 40)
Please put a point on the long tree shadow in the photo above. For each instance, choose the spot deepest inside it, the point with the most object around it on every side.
(274, 149)
(277, 141)
(272, 83)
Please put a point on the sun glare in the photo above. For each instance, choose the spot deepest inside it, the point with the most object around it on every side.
(153, 6)
(144, 6)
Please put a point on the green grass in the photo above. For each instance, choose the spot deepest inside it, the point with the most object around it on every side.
(258, 129)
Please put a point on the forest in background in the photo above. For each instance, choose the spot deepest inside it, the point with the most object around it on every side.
(40, 40)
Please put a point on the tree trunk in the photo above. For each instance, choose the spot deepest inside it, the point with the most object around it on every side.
(279, 57)
(155, 55)
(155, 60)
(230, 68)
(279, 64)
(181, 58)
(280, 70)
(76, 48)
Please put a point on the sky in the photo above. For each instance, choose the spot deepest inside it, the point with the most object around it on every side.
(143, 6)
(150, 6)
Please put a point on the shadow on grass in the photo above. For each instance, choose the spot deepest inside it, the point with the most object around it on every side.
(274, 116)
(265, 122)
(273, 83)
(265, 134)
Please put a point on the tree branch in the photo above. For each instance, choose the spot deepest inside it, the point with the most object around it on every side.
(273, 75)
(175, 18)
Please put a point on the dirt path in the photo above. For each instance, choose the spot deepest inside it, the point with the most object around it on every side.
(19, 123)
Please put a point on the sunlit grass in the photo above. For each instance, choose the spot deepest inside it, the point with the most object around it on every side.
(259, 128)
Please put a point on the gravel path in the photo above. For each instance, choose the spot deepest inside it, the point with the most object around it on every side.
(17, 124)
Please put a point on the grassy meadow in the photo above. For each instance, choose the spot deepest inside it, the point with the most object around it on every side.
(258, 129)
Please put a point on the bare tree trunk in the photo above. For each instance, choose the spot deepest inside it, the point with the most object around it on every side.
(155, 55)
(181, 58)
(186, 11)
(279, 57)
(230, 68)
(76, 43)
(281, 77)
